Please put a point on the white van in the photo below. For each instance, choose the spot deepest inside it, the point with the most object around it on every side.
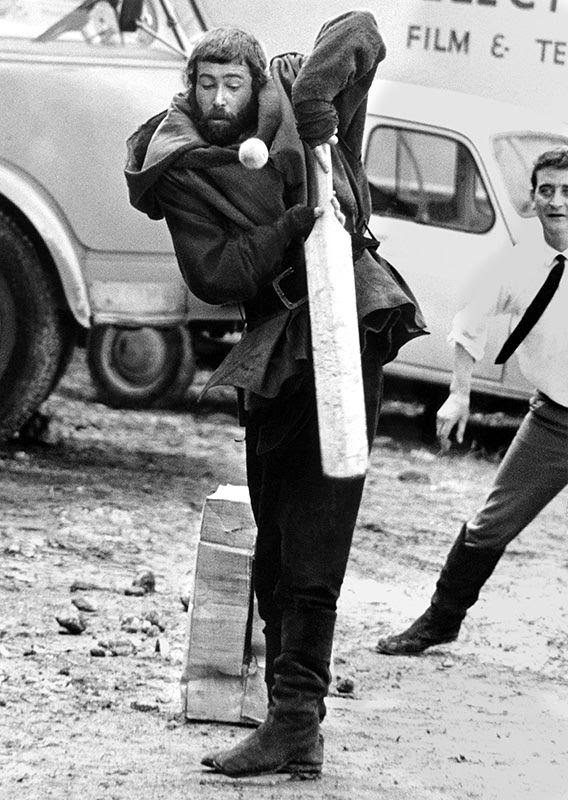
(450, 182)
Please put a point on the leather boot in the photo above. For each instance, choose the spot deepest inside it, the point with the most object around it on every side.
(465, 572)
(289, 740)
(273, 642)
(273, 646)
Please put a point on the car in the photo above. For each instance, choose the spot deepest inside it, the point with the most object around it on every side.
(77, 262)
(449, 175)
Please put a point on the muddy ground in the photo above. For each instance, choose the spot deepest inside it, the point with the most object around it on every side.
(108, 493)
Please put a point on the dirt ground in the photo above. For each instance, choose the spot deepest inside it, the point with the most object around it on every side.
(108, 493)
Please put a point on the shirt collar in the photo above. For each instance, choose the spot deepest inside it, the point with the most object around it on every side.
(549, 254)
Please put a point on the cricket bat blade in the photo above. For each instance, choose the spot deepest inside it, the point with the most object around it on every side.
(335, 340)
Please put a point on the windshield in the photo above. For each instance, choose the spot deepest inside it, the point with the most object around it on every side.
(516, 154)
(97, 22)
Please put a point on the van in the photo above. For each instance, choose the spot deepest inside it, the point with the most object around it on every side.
(77, 262)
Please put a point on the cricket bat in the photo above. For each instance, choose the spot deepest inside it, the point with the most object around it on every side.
(335, 338)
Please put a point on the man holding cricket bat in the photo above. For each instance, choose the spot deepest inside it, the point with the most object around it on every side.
(230, 166)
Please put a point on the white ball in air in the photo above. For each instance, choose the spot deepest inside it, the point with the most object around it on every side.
(253, 153)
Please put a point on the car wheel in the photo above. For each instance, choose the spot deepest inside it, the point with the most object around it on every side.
(140, 367)
(32, 336)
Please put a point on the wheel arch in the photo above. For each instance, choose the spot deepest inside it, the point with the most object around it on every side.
(39, 218)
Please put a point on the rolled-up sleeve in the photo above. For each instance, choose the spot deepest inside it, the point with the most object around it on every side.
(490, 297)
(469, 329)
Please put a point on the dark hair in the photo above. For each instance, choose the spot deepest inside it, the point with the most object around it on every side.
(556, 159)
(225, 46)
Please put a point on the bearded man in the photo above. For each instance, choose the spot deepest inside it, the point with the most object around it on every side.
(238, 236)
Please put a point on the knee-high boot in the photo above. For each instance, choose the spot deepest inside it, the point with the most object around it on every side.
(273, 646)
(273, 642)
(289, 739)
(463, 575)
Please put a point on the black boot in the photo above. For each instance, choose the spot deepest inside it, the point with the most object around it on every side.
(461, 579)
(273, 641)
(289, 739)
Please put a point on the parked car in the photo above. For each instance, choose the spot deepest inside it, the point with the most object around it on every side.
(77, 262)
(450, 186)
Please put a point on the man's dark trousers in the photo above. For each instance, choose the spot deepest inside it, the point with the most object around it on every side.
(305, 520)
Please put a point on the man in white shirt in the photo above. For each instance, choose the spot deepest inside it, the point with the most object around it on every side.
(533, 286)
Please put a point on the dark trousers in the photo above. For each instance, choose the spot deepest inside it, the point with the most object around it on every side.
(305, 520)
(533, 472)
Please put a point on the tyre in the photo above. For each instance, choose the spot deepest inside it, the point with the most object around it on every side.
(66, 357)
(32, 335)
(140, 367)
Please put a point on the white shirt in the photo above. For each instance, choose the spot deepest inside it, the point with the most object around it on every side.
(507, 287)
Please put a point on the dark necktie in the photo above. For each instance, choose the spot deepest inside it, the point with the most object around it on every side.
(534, 311)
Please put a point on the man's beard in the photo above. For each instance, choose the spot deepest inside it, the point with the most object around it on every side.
(221, 128)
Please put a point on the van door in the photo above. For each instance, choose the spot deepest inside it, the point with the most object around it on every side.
(438, 223)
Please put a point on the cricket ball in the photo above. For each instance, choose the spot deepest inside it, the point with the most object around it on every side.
(253, 153)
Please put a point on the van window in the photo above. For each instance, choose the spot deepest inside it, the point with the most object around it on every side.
(426, 178)
(66, 20)
(95, 22)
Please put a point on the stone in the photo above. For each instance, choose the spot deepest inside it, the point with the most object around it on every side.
(118, 647)
(153, 618)
(135, 591)
(413, 476)
(145, 579)
(84, 586)
(162, 647)
(144, 705)
(84, 604)
(345, 685)
(72, 625)
(131, 624)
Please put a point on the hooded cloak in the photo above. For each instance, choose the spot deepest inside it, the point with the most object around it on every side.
(234, 230)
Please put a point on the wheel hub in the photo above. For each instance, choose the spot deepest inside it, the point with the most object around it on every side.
(139, 356)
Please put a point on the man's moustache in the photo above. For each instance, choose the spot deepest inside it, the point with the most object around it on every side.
(219, 115)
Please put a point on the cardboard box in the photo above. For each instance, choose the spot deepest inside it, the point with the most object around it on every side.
(223, 672)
